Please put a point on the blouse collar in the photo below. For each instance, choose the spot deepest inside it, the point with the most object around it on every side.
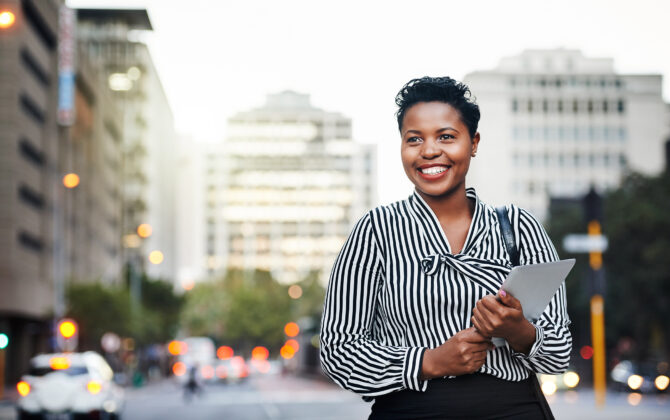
(433, 230)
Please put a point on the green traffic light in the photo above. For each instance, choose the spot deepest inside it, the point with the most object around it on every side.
(4, 340)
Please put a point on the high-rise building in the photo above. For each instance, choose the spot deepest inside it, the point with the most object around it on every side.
(285, 188)
(28, 161)
(555, 122)
(109, 37)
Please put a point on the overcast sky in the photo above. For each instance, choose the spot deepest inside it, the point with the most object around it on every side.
(216, 58)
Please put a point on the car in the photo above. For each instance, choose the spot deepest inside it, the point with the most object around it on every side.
(69, 386)
(644, 377)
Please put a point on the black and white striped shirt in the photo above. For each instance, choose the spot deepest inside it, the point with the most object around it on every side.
(396, 289)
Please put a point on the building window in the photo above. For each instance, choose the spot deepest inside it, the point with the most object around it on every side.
(545, 106)
(530, 105)
(31, 197)
(575, 106)
(589, 106)
(31, 109)
(620, 106)
(605, 106)
(515, 105)
(560, 105)
(30, 241)
(31, 153)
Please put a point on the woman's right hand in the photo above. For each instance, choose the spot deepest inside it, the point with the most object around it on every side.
(463, 353)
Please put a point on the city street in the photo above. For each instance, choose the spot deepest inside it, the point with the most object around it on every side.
(289, 398)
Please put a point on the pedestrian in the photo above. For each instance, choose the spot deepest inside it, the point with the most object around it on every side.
(414, 296)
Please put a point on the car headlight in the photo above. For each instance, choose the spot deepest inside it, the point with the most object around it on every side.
(662, 382)
(571, 379)
(635, 381)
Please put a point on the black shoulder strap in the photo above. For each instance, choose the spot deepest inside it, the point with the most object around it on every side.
(508, 235)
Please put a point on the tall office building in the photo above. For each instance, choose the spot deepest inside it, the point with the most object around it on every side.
(285, 189)
(555, 122)
(28, 161)
(109, 38)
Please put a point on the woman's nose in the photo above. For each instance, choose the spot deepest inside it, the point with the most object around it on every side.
(429, 149)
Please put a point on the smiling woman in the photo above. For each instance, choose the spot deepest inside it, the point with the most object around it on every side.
(413, 298)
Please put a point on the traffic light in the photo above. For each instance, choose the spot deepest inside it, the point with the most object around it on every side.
(67, 334)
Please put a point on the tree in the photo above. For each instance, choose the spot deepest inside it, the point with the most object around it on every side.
(242, 309)
(638, 274)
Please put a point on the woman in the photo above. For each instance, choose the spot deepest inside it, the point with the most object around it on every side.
(413, 299)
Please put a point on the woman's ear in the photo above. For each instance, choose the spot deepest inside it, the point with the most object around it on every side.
(475, 143)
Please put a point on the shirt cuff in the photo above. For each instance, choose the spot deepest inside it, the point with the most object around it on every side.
(539, 339)
(412, 369)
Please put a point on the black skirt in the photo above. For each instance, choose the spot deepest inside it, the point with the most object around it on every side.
(476, 396)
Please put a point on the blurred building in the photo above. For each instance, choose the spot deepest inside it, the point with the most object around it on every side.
(555, 122)
(285, 189)
(112, 38)
(28, 160)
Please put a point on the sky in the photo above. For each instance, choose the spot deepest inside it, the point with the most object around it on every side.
(217, 58)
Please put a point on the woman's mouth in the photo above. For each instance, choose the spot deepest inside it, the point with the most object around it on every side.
(433, 172)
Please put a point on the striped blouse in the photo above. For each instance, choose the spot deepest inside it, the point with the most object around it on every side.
(396, 290)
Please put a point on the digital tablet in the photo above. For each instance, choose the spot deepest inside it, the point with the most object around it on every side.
(534, 285)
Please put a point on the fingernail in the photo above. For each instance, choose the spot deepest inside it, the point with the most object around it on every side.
(503, 293)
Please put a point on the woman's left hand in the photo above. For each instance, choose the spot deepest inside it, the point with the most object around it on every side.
(502, 316)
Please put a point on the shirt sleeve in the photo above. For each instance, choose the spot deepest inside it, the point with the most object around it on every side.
(553, 342)
(350, 355)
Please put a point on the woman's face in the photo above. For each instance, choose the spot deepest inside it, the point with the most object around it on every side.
(436, 148)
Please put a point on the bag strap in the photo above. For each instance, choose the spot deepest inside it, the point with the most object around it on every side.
(508, 235)
(510, 245)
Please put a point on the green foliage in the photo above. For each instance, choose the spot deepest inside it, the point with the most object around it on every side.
(637, 300)
(99, 309)
(247, 309)
(637, 224)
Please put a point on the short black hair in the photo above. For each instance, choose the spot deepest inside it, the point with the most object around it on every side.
(439, 89)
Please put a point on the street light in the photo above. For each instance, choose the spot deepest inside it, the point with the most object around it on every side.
(144, 230)
(71, 180)
(156, 257)
(7, 19)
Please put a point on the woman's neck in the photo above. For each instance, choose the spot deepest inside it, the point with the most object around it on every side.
(450, 207)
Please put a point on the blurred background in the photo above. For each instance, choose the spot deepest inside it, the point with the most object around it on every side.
(178, 177)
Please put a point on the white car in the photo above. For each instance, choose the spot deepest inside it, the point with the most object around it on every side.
(63, 386)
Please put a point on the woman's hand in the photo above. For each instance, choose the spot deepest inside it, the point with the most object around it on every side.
(463, 353)
(502, 316)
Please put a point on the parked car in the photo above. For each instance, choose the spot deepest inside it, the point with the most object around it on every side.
(69, 386)
(646, 377)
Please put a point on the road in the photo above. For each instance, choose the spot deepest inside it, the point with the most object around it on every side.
(293, 398)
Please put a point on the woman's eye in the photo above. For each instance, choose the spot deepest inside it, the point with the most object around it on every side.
(413, 139)
(446, 137)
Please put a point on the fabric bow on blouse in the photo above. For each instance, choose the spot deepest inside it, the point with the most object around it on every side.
(488, 274)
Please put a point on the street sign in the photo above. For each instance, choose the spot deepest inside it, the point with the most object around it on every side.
(583, 243)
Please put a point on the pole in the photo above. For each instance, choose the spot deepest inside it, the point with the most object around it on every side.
(593, 209)
(2, 373)
(598, 340)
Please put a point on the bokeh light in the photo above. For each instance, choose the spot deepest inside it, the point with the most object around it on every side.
(287, 352)
(662, 382)
(71, 180)
(144, 230)
(634, 398)
(635, 381)
(293, 343)
(571, 379)
(179, 368)
(295, 291)
(23, 387)
(225, 352)
(586, 352)
(7, 19)
(260, 353)
(292, 329)
(156, 257)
